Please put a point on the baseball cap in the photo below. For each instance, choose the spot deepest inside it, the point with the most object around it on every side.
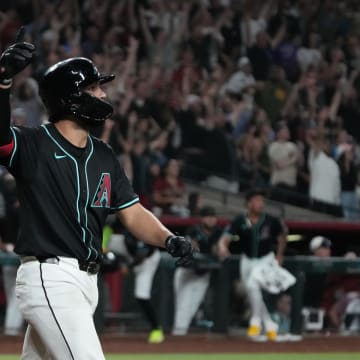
(207, 211)
(254, 192)
(319, 242)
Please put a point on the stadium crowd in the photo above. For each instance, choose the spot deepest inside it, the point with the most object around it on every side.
(252, 92)
(261, 92)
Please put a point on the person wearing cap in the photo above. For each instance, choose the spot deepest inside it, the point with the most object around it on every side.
(320, 246)
(190, 284)
(256, 235)
(337, 294)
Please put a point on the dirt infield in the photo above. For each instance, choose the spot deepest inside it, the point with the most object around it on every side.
(208, 344)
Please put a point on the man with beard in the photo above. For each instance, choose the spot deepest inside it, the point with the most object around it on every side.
(68, 182)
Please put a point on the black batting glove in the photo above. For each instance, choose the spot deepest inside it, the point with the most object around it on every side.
(15, 58)
(180, 247)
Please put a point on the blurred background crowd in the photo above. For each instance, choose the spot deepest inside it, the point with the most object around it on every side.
(237, 93)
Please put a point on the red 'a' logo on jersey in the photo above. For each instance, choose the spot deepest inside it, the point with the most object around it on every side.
(103, 192)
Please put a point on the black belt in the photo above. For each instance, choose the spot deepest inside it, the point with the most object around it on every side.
(91, 267)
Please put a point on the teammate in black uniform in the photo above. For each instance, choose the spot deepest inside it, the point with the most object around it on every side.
(256, 235)
(143, 259)
(13, 322)
(190, 284)
(68, 182)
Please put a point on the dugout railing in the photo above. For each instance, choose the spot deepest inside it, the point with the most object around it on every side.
(222, 276)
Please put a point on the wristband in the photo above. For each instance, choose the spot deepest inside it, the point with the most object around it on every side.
(5, 83)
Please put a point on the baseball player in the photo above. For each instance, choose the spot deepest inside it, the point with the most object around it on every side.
(144, 260)
(257, 236)
(14, 321)
(190, 284)
(67, 182)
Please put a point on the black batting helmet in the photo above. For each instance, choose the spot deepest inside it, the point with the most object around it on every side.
(61, 89)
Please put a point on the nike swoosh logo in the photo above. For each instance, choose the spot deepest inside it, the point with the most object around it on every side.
(57, 157)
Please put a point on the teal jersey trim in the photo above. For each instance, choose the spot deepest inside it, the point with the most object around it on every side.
(15, 146)
(78, 184)
(131, 202)
(83, 239)
(87, 199)
(76, 167)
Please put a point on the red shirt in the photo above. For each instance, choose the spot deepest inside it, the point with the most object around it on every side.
(162, 185)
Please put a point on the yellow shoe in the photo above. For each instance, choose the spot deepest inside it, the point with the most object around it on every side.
(271, 335)
(253, 330)
(156, 336)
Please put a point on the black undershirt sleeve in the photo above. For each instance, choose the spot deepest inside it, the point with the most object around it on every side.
(5, 133)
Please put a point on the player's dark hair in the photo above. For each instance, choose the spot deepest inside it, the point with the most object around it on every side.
(254, 192)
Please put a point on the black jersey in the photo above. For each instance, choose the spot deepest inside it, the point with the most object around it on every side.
(254, 240)
(205, 241)
(65, 192)
(138, 249)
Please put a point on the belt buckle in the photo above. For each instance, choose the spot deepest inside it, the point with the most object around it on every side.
(92, 267)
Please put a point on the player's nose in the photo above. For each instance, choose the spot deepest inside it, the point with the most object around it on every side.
(100, 93)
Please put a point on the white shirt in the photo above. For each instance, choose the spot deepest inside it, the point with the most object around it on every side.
(250, 28)
(288, 153)
(324, 178)
(307, 57)
(238, 82)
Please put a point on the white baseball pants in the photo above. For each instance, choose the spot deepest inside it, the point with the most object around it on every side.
(13, 317)
(144, 275)
(190, 289)
(58, 301)
(259, 312)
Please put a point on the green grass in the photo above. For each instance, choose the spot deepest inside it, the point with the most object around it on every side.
(332, 356)
(304, 356)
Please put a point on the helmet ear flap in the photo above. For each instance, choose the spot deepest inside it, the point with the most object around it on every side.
(72, 103)
(74, 108)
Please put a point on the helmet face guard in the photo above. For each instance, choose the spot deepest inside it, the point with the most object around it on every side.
(89, 109)
(62, 91)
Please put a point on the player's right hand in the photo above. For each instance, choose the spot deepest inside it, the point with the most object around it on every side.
(222, 251)
(15, 58)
